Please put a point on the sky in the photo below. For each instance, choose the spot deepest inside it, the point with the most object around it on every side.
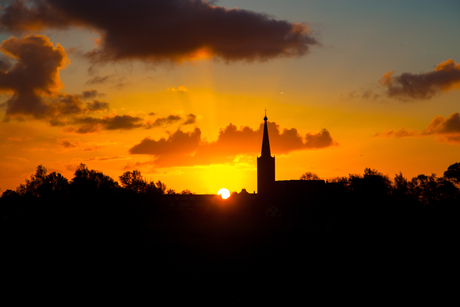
(178, 89)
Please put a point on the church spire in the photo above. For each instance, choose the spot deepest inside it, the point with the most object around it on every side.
(265, 141)
(265, 164)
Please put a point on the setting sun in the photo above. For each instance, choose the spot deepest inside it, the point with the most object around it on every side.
(224, 193)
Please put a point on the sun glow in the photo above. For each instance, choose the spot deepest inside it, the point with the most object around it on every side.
(224, 193)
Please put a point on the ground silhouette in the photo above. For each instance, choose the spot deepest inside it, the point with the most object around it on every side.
(362, 226)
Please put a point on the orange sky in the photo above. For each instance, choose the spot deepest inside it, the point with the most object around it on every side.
(346, 86)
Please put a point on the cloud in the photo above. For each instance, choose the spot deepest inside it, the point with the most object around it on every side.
(170, 120)
(401, 133)
(445, 77)
(35, 74)
(173, 30)
(191, 119)
(105, 158)
(68, 144)
(163, 121)
(98, 80)
(178, 142)
(441, 125)
(90, 94)
(97, 105)
(34, 82)
(180, 88)
(117, 122)
(188, 148)
(445, 130)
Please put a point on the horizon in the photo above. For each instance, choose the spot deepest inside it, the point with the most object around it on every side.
(345, 86)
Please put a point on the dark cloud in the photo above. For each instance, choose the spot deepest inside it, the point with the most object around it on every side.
(97, 105)
(165, 29)
(4, 65)
(191, 119)
(98, 80)
(85, 125)
(163, 121)
(34, 84)
(445, 77)
(66, 143)
(187, 148)
(90, 94)
(18, 17)
(35, 74)
(123, 122)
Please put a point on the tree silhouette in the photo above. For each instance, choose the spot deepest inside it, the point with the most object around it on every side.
(453, 173)
(161, 187)
(309, 176)
(32, 185)
(54, 185)
(133, 181)
(92, 186)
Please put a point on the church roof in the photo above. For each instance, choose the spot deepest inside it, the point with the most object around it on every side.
(265, 142)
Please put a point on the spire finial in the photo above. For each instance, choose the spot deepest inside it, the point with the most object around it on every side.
(265, 118)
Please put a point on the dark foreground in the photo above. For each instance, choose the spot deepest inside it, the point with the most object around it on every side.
(226, 257)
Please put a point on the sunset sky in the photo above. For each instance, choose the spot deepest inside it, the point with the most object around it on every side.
(177, 88)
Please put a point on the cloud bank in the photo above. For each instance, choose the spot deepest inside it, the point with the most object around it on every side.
(446, 129)
(445, 77)
(35, 74)
(173, 30)
(188, 148)
(34, 82)
(35, 87)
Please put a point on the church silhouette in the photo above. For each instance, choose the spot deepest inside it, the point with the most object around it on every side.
(266, 183)
(265, 164)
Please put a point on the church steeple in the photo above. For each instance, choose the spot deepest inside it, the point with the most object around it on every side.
(265, 164)
(265, 142)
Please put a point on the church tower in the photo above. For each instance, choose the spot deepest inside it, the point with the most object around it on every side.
(265, 165)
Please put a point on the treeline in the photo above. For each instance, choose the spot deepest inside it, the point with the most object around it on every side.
(50, 205)
(422, 190)
(87, 185)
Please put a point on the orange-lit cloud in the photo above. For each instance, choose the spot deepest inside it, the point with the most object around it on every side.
(188, 148)
(35, 74)
(164, 29)
(441, 125)
(34, 83)
(445, 77)
(180, 88)
(401, 133)
(446, 129)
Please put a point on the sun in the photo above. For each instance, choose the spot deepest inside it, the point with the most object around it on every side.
(224, 193)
